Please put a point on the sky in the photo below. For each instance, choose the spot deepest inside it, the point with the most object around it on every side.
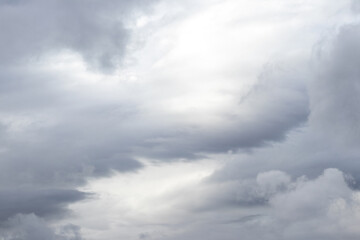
(178, 120)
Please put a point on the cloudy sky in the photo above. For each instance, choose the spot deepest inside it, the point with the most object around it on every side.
(179, 119)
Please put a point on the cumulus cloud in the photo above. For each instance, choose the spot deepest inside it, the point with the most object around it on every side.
(322, 208)
(306, 205)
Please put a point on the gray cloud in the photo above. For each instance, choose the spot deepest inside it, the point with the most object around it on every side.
(42, 202)
(275, 105)
(45, 143)
(355, 6)
(331, 135)
(324, 208)
(94, 29)
(335, 94)
(54, 136)
(292, 123)
(30, 227)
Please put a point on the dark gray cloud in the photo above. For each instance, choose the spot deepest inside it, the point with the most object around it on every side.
(42, 202)
(45, 141)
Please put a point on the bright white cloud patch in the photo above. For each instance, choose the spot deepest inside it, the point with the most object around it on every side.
(148, 200)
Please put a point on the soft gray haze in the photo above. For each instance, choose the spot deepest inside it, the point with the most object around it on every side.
(178, 120)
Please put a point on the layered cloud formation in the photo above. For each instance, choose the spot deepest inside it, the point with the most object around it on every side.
(179, 120)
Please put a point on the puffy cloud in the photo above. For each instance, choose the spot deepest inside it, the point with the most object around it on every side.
(312, 206)
(322, 208)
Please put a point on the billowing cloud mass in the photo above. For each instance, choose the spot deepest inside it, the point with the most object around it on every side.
(177, 120)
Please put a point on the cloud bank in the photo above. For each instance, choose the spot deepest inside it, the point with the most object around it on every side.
(179, 120)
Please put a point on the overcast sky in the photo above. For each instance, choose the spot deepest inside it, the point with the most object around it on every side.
(179, 120)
